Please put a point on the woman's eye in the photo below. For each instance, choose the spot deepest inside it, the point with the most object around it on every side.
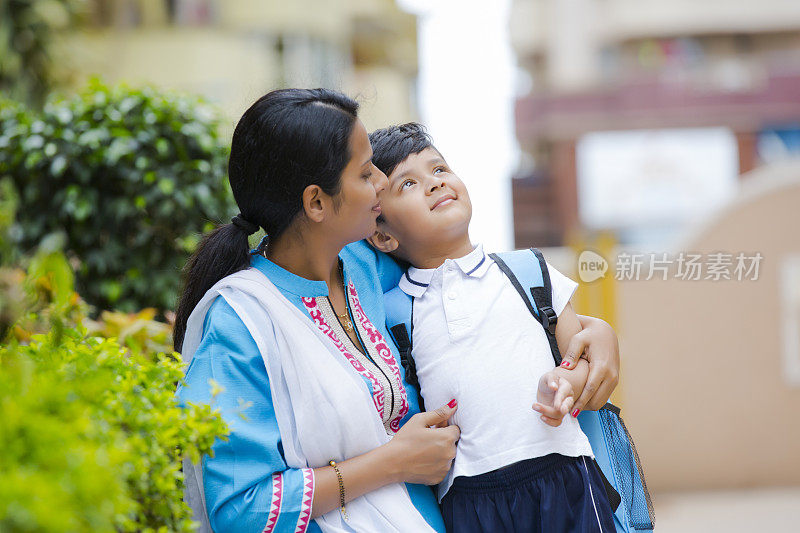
(367, 176)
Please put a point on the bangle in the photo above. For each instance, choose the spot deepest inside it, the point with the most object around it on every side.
(341, 488)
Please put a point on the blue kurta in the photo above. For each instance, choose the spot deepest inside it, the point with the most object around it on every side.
(248, 472)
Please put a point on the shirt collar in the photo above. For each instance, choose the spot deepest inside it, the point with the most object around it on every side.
(416, 280)
(288, 281)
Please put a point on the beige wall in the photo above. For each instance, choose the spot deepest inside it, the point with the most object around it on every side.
(222, 66)
(706, 394)
(704, 387)
(568, 45)
(385, 96)
(533, 21)
(705, 391)
(234, 57)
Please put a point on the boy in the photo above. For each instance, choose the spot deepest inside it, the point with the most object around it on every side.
(474, 340)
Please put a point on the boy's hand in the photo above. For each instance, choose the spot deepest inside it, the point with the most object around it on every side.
(554, 398)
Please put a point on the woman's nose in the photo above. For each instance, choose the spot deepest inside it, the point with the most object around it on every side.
(380, 181)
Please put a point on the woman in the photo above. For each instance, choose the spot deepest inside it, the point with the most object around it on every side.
(297, 344)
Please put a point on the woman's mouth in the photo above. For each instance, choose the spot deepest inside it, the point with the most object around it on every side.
(377, 208)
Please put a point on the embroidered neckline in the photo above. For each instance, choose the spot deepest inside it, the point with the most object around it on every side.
(379, 367)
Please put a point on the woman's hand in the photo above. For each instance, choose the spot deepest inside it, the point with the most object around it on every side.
(597, 341)
(421, 452)
(425, 446)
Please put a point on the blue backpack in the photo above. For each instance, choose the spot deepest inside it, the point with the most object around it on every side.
(611, 443)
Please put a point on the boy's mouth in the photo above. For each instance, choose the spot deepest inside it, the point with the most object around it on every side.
(446, 199)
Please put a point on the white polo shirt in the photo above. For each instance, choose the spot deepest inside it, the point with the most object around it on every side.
(475, 340)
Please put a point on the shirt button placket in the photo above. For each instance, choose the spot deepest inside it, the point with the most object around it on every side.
(457, 316)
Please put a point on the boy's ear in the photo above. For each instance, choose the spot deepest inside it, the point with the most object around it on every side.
(383, 242)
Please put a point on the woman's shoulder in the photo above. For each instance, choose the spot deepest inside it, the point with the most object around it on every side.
(226, 353)
(223, 324)
(372, 264)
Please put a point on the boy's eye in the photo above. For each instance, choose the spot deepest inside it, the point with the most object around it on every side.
(438, 169)
(405, 182)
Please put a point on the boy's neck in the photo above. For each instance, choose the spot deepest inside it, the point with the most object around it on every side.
(436, 256)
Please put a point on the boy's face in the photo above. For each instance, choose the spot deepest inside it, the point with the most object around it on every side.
(424, 205)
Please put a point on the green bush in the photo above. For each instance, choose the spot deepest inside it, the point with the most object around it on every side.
(90, 431)
(92, 437)
(131, 177)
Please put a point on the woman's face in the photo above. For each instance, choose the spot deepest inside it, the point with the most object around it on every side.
(362, 182)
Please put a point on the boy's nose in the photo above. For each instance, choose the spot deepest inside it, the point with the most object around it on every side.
(436, 184)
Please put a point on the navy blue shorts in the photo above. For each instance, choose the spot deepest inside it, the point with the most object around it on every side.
(550, 494)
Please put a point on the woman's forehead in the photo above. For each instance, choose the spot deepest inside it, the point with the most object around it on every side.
(360, 148)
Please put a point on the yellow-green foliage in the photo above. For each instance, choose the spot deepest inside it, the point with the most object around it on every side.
(92, 437)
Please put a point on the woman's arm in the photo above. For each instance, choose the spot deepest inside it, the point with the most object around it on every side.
(598, 343)
(593, 338)
(595, 374)
(584, 339)
(247, 482)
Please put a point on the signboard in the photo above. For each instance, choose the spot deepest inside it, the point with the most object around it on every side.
(654, 181)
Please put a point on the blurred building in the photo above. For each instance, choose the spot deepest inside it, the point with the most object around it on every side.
(233, 51)
(710, 68)
(675, 126)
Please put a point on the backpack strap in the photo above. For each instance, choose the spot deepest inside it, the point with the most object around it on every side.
(400, 323)
(518, 267)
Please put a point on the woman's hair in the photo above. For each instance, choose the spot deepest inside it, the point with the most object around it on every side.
(287, 140)
(392, 145)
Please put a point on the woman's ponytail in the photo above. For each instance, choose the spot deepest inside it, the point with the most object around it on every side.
(221, 253)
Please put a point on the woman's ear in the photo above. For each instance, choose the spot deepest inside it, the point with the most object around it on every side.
(314, 203)
(383, 242)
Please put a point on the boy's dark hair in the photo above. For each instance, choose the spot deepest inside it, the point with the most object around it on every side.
(390, 146)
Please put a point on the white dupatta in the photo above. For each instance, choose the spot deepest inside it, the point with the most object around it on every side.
(322, 405)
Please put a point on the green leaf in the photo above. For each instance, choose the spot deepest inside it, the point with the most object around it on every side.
(58, 165)
(166, 185)
(131, 175)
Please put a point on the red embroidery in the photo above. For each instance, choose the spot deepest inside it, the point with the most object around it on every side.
(384, 352)
(305, 503)
(275, 503)
(316, 315)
